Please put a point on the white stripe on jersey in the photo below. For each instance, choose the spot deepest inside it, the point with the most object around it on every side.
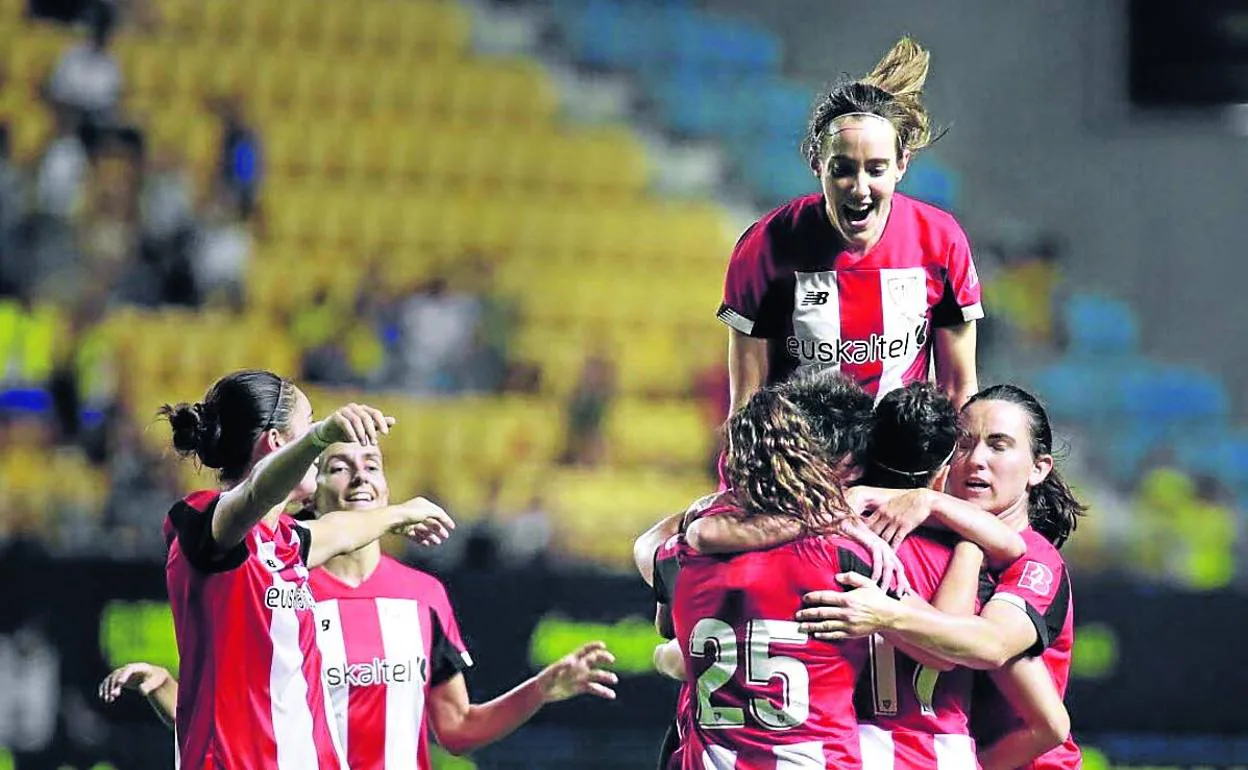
(800, 756)
(292, 719)
(903, 302)
(877, 748)
(401, 638)
(333, 644)
(955, 752)
(719, 758)
(817, 309)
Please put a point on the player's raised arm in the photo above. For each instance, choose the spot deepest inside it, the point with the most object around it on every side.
(462, 726)
(272, 479)
(1028, 687)
(152, 682)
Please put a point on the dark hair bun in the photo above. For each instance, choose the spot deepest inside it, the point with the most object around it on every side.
(196, 430)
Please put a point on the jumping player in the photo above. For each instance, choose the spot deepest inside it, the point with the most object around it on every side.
(857, 277)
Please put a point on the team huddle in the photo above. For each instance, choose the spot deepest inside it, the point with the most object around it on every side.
(876, 583)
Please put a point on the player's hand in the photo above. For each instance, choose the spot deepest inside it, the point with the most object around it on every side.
(579, 673)
(143, 678)
(894, 519)
(697, 508)
(355, 423)
(423, 521)
(886, 568)
(835, 615)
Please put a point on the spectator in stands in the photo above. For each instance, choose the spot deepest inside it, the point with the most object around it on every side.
(167, 223)
(241, 167)
(438, 330)
(86, 80)
(221, 250)
(587, 411)
(61, 173)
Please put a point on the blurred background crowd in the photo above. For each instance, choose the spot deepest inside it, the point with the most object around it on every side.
(507, 223)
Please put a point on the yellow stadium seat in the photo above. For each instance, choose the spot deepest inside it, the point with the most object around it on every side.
(30, 63)
(673, 433)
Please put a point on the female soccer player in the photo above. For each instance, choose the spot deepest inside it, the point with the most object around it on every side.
(764, 695)
(237, 572)
(858, 277)
(910, 714)
(392, 654)
(1004, 465)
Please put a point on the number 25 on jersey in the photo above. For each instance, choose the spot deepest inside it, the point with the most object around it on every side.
(713, 638)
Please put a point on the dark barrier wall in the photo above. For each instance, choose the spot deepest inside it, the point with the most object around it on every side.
(1147, 661)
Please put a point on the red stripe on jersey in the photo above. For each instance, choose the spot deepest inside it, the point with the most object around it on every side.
(913, 751)
(366, 705)
(862, 321)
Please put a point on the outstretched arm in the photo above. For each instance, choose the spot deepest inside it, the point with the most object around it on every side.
(730, 534)
(1028, 687)
(345, 531)
(897, 513)
(462, 726)
(985, 641)
(153, 682)
(955, 595)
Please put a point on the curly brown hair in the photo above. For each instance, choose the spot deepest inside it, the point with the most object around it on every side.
(777, 464)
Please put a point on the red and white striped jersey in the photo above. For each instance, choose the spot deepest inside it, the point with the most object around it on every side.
(250, 692)
(1039, 585)
(384, 644)
(791, 281)
(765, 696)
(912, 717)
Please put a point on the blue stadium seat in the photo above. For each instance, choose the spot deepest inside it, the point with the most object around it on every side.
(930, 180)
(1100, 326)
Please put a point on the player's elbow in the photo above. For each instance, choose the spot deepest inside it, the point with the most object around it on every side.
(1052, 731)
(455, 745)
(643, 557)
(990, 656)
(699, 538)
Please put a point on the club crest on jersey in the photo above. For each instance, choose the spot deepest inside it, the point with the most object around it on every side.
(908, 294)
(1037, 578)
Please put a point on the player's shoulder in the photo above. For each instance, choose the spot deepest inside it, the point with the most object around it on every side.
(406, 582)
(831, 552)
(788, 220)
(196, 502)
(932, 221)
(1038, 547)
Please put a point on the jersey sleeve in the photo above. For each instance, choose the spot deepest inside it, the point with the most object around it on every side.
(748, 285)
(962, 299)
(666, 568)
(190, 520)
(1038, 585)
(448, 654)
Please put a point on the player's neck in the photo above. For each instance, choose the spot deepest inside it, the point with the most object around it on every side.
(357, 566)
(1016, 516)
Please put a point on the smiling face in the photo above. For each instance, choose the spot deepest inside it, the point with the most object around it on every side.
(351, 478)
(859, 170)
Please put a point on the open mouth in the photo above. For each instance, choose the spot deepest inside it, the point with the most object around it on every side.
(977, 484)
(856, 214)
(361, 497)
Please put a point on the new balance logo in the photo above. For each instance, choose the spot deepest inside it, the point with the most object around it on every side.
(815, 298)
